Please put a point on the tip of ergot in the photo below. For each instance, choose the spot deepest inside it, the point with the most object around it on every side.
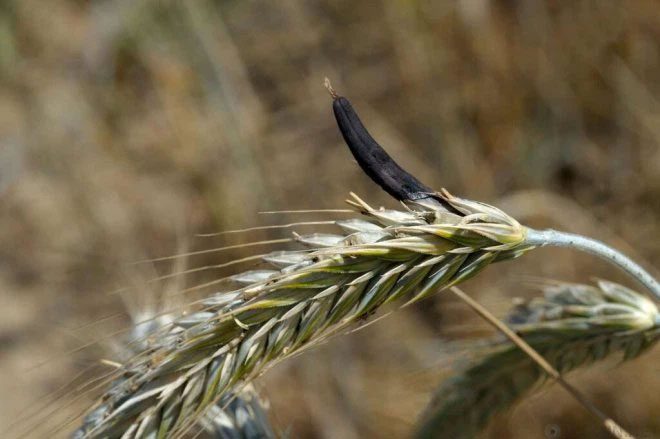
(328, 86)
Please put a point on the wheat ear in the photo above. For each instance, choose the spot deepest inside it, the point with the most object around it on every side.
(572, 326)
(386, 256)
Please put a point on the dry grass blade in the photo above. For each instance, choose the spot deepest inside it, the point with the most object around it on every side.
(574, 325)
(385, 256)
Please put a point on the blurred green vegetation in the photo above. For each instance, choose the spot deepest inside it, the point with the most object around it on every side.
(128, 126)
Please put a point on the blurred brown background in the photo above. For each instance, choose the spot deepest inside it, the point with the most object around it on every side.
(126, 127)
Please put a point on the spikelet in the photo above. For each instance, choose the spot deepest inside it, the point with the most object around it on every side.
(384, 256)
(574, 325)
(238, 415)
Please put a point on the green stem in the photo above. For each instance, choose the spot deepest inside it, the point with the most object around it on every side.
(555, 238)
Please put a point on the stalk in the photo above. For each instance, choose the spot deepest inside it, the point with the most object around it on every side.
(542, 238)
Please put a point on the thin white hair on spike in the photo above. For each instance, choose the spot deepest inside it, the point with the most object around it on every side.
(173, 294)
(204, 268)
(271, 227)
(215, 250)
(188, 304)
(208, 267)
(278, 212)
(83, 391)
(163, 312)
(45, 401)
(175, 309)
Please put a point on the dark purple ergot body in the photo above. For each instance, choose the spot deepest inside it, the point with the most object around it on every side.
(375, 162)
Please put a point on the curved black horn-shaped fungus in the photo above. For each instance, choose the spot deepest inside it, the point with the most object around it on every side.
(373, 159)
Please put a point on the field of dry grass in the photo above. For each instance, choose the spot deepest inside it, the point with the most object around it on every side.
(127, 127)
